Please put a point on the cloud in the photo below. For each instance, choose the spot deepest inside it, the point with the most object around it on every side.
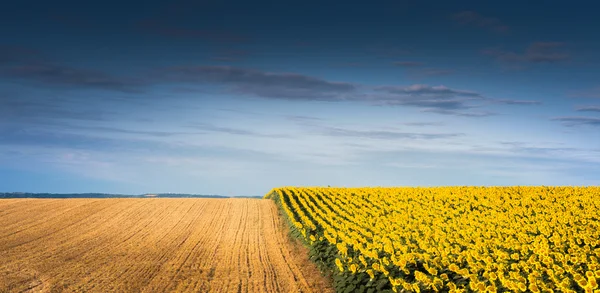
(471, 114)
(578, 121)
(167, 30)
(289, 86)
(250, 82)
(46, 149)
(133, 142)
(423, 123)
(301, 118)
(535, 53)
(62, 128)
(545, 150)
(588, 109)
(386, 135)
(26, 137)
(425, 96)
(516, 102)
(475, 19)
(589, 94)
(55, 74)
(227, 74)
(105, 129)
(525, 148)
(422, 90)
(229, 130)
(540, 52)
(40, 108)
(407, 64)
(30, 64)
(244, 112)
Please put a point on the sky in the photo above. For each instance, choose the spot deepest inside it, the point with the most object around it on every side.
(238, 97)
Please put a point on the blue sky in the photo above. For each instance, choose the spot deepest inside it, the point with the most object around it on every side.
(235, 98)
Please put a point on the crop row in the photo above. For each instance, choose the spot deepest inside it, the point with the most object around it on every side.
(450, 239)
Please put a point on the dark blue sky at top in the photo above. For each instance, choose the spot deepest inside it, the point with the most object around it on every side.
(238, 97)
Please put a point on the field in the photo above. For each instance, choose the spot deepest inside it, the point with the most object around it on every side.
(450, 239)
(444, 239)
(150, 245)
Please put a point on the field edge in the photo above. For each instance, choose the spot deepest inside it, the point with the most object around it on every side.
(322, 273)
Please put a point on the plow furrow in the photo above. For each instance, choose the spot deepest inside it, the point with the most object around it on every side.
(148, 245)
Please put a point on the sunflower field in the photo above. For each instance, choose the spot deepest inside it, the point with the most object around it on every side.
(450, 239)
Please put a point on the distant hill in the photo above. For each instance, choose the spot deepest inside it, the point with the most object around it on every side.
(60, 195)
(186, 195)
(108, 195)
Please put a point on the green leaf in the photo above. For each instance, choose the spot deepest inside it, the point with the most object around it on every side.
(381, 284)
(350, 289)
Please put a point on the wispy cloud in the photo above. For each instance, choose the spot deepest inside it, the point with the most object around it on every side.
(475, 19)
(593, 93)
(55, 74)
(429, 97)
(292, 86)
(21, 108)
(516, 102)
(118, 130)
(540, 52)
(259, 83)
(588, 109)
(578, 121)
(230, 130)
(269, 85)
(470, 114)
(423, 123)
(38, 138)
(377, 133)
(301, 118)
(133, 141)
(543, 150)
(522, 147)
(535, 53)
(386, 135)
(422, 90)
(22, 63)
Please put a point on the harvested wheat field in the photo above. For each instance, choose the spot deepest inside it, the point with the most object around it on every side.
(150, 245)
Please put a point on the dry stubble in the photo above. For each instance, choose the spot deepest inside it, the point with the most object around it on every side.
(150, 245)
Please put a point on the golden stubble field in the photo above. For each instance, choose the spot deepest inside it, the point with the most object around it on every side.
(150, 245)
